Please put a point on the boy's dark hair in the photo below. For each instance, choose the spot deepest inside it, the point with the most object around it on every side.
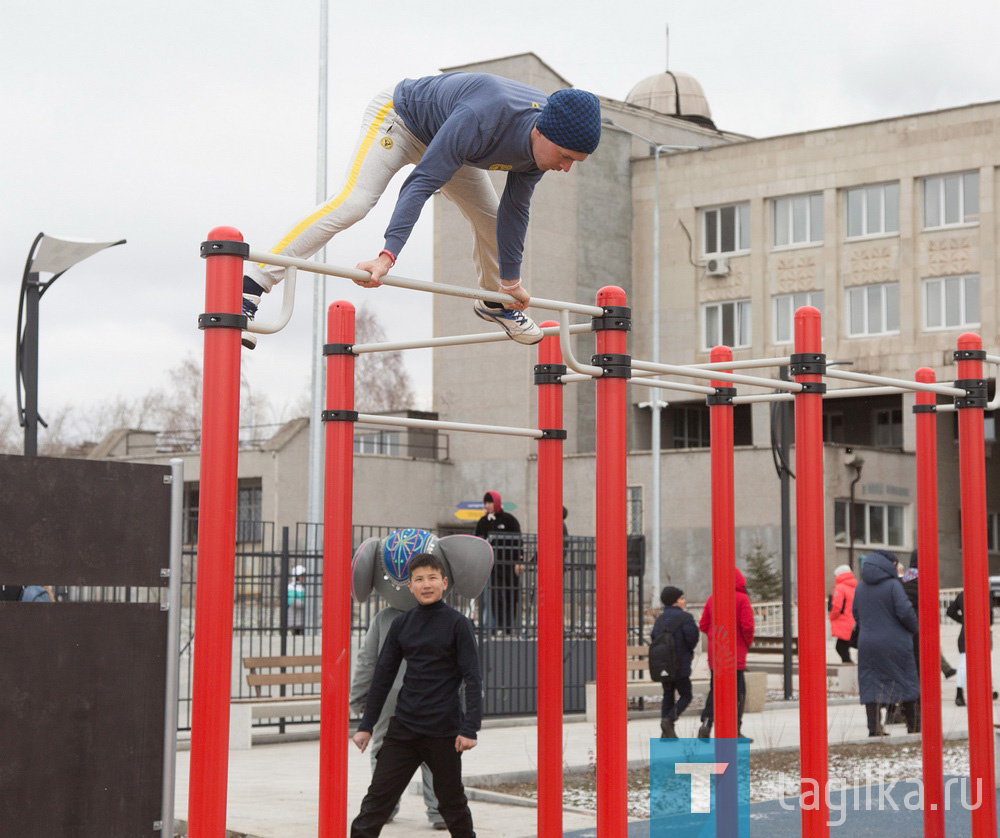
(669, 595)
(427, 560)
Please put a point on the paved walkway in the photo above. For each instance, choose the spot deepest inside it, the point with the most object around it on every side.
(273, 789)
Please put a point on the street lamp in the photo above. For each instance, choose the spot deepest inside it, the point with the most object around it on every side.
(655, 404)
(48, 254)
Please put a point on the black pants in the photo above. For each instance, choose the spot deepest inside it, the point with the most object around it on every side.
(505, 596)
(910, 713)
(844, 650)
(708, 715)
(401, 754)
(669, 709)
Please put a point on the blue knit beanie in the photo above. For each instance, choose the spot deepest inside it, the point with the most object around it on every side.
(572, 120)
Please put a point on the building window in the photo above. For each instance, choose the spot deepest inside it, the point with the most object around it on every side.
(191, 496)
(873, 210)
(833, 426)
(248, 511)
(887, 428)
(785, 306)
(951, 302)
(798, 219)
(633, 500)
(873, 310)
(951, 200)
(726, 324)
(992, 532)
(389, 443)
(726, 229)
(872, 524)
(691, 427)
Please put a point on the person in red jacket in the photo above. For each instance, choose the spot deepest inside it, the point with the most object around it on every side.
(744, 637)
(841, 603)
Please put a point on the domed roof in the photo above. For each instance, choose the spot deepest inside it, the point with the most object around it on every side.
(674, 94)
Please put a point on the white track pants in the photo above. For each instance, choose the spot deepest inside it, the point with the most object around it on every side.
(385, 145)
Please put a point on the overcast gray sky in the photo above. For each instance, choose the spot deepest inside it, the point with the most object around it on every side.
(156, 123)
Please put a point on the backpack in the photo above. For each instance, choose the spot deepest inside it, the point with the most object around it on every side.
(664, 658)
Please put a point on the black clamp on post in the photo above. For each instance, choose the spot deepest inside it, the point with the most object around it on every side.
(549, 373)
(807, 363)
(970, 355)
(812, 386)
(222, 320)
(339, 416)
(613, 364)
(975, 391)
(925, 408)
(338, 348)
(553, 433)
(225, 248)
(615, 318)
(722, 395)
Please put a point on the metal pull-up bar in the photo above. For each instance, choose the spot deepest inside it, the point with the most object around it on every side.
(403, 422)
(413, 284)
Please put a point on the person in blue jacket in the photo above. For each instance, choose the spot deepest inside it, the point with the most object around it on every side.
(887, 670)
(454, 129)
(675, 619)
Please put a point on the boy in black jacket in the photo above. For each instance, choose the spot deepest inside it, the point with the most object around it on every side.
(439, 647)
(678, 621)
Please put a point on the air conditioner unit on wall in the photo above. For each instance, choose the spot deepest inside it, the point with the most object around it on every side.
(717, 267)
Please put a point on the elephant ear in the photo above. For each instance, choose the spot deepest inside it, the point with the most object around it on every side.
(470, 561)
(363, 568)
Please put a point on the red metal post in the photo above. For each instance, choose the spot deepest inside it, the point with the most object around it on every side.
(929, 590)
(975, 572)
(337, 548)
(213, 635)
(550, 590)
(810, 501)
(724, 642)
(612, 591)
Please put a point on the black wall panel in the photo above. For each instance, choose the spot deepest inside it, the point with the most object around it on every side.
(81, 719)
(82, 522)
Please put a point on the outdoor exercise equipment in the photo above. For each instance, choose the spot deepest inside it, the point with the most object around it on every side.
(613, 369)
(225, 252)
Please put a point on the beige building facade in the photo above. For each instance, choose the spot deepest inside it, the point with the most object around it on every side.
(889, 228)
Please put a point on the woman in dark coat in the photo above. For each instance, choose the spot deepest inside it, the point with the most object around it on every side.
(887, 671)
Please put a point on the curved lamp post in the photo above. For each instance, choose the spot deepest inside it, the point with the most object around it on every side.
(48, 254)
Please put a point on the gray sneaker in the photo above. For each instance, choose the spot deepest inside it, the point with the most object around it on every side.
(516, 324)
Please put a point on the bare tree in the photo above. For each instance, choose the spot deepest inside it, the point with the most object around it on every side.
(381, 382)
(10, 431)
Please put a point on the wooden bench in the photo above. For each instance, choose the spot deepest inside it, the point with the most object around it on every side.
(845, 673)
(275, 671)
(771, 645)
(640, 685)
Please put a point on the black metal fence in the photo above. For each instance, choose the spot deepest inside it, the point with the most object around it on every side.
(277, 611)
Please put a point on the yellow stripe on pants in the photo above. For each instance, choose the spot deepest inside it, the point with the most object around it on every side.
(345, 193)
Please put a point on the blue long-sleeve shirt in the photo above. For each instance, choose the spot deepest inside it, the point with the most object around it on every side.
(470, 119)
(439, 647)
